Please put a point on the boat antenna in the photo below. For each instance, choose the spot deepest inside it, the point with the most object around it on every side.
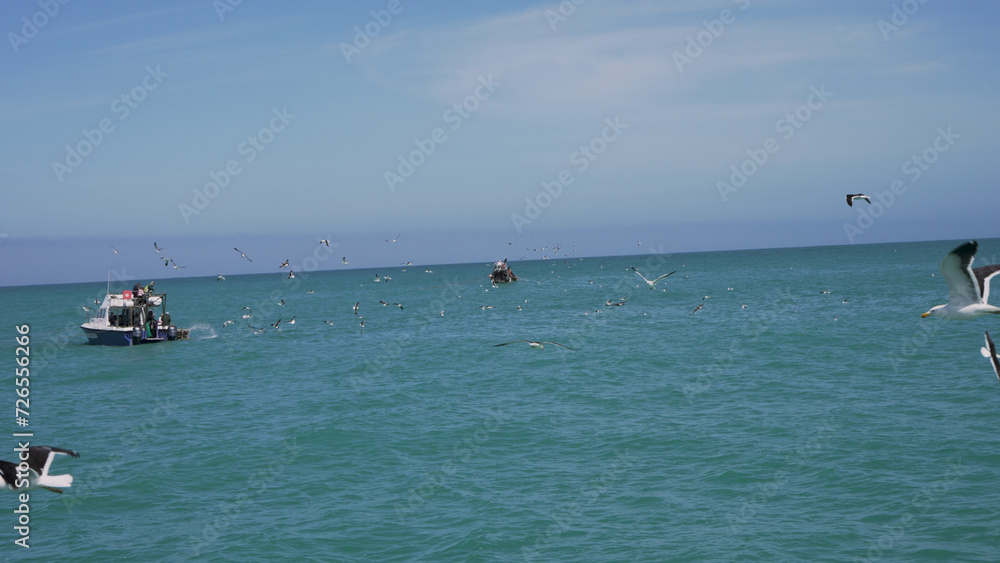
(109, 282)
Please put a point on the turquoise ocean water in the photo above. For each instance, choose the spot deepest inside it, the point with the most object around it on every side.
(801, 427)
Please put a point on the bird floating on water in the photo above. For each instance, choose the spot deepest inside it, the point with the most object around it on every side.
(968, 287)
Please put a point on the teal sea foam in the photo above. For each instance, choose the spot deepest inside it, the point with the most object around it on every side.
(799, 428)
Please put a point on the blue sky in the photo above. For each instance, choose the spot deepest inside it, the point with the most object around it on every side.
(686, 125)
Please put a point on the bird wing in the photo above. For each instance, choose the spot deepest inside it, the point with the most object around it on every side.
(850, 200)
(663, 276)
(957, 271)
(990, 351)
(558, 344)
(40, 457)
(640, 275)
(511, 342)
(983, 276)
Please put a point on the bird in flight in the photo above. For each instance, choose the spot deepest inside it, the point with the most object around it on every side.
(324, 241)
(157, 248)
(968, 287)
(392, 239)
(990, 351)
(35, 472)
(852, 197)
(174, 264)
(115, 249)
(536, 345)
(648, 281)
(241, 253)
(283, 264)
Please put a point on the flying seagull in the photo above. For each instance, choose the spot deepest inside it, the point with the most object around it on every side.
(283, 264)
(649, 282)
(698, 308)
(220, 277)
(344, 260)
(535, 345)
(157, 248)
(852, 197)
(39, 460)
(115, 249)
(241, 253)
(324, 241)
(174, 264)
(356, 308)
(968, 288)
(990, 351)
(392, 239)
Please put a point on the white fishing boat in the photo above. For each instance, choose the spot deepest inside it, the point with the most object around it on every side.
(128, 319)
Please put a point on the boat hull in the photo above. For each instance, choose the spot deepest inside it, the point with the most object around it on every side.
(103, 337)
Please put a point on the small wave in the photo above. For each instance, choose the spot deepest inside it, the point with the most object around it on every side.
(202, 327)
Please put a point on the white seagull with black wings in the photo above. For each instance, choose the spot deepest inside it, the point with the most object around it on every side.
(39, 460)
(535, 345)
(968, 287)
(651, 282)
(990, 351)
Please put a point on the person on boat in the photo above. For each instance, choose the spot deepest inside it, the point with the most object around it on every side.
(149, 288)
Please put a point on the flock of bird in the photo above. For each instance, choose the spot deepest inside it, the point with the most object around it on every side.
(968, 288)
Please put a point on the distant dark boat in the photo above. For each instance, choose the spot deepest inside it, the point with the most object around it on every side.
(502, 273)
(125, 319)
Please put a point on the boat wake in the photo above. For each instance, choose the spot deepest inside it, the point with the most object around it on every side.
(209, 329)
